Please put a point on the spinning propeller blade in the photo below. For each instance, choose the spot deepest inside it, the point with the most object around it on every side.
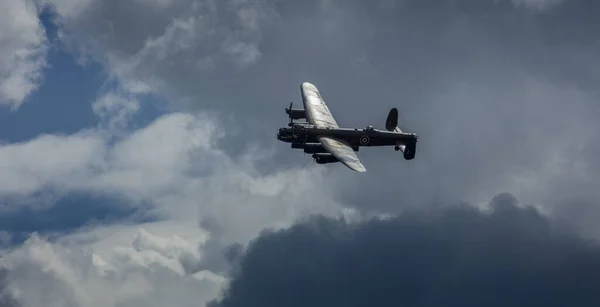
(289, 112)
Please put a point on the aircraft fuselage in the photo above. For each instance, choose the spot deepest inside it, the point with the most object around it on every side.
(355, 137)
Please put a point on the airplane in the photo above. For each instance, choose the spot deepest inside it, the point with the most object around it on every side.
(322, 137)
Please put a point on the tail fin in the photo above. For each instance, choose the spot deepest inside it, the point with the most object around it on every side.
(391, 123)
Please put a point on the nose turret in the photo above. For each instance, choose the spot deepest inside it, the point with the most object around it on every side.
(279, 134)
(283, 135)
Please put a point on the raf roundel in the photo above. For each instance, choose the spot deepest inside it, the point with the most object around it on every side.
(364, 140)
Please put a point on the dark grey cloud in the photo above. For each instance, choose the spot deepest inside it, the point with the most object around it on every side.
(503, 93)
(457, 256)
(497, 92)
(489, 86)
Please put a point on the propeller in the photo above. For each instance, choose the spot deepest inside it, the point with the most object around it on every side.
(289, 112)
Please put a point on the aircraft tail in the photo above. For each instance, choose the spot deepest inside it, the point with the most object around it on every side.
(391, 123)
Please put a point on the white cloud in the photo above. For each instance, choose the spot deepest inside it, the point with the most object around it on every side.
(172, 35)
(174, 165)
(115, 110)
(23, 46)
(144, 271)
(243, 53)
(151, 264)
(52, 161)
(140, 162)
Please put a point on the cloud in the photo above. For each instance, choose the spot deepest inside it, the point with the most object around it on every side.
(86, 160)
(509, 256)
(148, 264)
(490, 86)
(193, 31)
(486, 85)
(23, 47)
(195, 202)
(148, 270)
(171, 169)
(115, 110)
(538, 4)
(202, 201)
(48, 160)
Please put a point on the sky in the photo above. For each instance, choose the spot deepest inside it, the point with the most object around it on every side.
(138, 154)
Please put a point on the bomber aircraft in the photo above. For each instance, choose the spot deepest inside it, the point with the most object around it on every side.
(322, 137)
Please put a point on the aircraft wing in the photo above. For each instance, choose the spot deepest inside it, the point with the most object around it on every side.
(343, 152)
(317, 112)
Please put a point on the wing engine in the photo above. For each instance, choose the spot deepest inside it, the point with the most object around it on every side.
(310, 148)
(295, 113)
(324, 158)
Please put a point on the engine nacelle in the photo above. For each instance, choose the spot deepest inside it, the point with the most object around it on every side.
(324, 158)
(296, 113)
(312, 148)
(309, 147)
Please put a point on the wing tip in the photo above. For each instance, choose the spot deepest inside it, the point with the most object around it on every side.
(357, 168)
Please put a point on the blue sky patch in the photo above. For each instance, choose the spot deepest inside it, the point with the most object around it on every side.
(69, 213)
(63, 105)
